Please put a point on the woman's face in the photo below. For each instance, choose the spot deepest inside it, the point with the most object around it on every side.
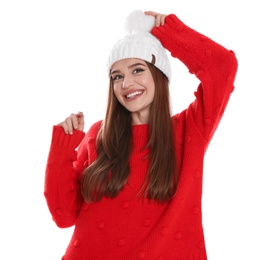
(134, 87)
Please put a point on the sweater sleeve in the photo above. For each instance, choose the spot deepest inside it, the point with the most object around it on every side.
(62, 191)
(213, 65)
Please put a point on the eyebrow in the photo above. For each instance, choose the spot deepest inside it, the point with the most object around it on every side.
(129, 67)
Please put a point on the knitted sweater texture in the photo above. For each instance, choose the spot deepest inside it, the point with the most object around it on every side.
(127, 227)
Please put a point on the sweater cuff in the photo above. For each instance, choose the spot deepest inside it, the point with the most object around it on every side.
(61, 139)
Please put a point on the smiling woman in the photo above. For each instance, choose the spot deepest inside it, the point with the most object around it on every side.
(140, 164)
(134, 87)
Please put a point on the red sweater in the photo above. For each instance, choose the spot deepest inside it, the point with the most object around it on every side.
(127, 228)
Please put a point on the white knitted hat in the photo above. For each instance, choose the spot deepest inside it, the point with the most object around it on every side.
(140, 43)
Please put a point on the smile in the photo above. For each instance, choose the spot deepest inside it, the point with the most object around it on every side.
(133, 94)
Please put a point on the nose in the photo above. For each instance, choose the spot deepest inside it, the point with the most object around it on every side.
(127, 82)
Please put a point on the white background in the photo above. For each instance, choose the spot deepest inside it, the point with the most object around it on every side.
(53, 62)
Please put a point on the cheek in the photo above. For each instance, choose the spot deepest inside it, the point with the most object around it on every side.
(117, 91)
(149, 82)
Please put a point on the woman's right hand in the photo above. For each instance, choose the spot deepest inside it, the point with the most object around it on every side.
(73, 122)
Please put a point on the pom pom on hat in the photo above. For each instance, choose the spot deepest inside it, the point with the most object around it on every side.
(140, 43)
(138, 21)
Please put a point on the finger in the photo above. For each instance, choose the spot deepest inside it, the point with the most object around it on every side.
(80, 118)
(69, 124)
(162, 19)
(159, 18)
(73, 121)
(151, 13)
(65, 127)
(77, 121)
(79, 114)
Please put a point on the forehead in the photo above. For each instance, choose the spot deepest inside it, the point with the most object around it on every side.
(126, 63)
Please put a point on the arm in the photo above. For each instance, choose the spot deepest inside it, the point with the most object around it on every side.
(62, 190)
(212, 64)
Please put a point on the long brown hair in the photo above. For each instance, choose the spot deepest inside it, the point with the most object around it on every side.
(108, 174)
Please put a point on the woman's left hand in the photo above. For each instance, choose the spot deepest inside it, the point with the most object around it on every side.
(160, 18)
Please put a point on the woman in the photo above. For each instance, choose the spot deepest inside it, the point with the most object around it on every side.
(133, 187)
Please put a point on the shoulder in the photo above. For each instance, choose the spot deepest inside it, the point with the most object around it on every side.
(94, 129)
(179, 118)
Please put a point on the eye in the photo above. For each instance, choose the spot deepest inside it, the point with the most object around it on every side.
(117, 77)
(138, 70)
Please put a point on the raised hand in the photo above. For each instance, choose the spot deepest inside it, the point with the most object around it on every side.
(160, 18)
(73, 122)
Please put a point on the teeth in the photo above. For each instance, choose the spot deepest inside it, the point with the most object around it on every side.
(131, 95)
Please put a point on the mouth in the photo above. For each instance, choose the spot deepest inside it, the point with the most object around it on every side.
(134, 94)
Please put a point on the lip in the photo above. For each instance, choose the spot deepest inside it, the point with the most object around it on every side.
(134, 97)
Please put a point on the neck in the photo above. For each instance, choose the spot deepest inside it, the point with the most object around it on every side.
(140, 118)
